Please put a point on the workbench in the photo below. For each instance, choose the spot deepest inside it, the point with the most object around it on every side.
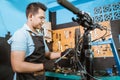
(62, 76)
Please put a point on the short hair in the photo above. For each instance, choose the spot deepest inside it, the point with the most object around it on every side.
(33, 8)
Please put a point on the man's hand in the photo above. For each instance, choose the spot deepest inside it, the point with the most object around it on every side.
(49, 65)
(68, 52)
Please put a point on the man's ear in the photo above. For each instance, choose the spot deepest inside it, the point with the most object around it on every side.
(30, 15)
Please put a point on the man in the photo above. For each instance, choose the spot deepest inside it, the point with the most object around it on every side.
(28, 47)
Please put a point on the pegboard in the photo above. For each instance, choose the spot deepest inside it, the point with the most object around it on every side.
(65, 38)
(102, 50)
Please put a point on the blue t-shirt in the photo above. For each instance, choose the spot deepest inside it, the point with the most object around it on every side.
(22, 41)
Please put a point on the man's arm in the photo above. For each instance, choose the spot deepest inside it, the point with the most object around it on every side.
(53, 55)
(19, 65)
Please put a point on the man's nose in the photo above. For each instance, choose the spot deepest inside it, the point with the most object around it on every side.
(43, 21)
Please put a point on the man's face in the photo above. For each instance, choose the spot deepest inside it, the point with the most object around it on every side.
(38, 19)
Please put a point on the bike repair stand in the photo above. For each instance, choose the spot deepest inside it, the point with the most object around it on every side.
(88, 54)
(114, 51)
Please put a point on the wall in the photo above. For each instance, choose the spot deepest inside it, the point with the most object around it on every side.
(12, 15)
(10, 18)
(99, 9)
